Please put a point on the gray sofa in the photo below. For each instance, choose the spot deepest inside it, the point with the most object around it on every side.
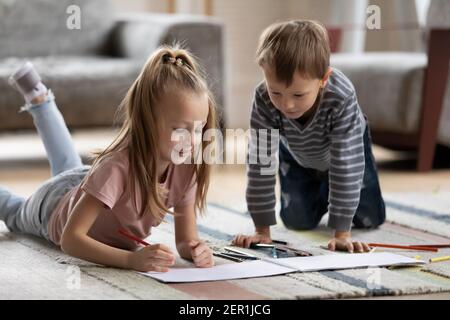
(406, 95)
(90, 69)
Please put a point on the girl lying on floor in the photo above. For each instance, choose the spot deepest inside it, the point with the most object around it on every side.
(131, 183)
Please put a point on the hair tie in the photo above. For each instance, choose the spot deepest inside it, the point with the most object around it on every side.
(176, 61)
(179, 62)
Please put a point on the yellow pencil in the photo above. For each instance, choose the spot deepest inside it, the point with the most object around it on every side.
(440, 259)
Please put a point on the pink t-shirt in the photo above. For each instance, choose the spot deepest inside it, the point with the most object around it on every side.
(108, 182)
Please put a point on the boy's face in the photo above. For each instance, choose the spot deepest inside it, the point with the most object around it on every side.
(295, 100)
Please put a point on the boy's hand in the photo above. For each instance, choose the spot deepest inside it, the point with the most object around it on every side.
(262, 235)
(343, 241)
(202, 255)
(157, 257)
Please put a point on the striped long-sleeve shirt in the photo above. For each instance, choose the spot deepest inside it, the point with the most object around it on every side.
(331, 141)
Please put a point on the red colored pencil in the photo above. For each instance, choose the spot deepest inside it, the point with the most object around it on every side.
(130, 236)
(441, 246)
(394, 246)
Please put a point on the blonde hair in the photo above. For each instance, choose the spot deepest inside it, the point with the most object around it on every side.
(168, 66)
(297, 45)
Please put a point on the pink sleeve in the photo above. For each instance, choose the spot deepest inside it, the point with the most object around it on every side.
(106, 182)
(189, 195)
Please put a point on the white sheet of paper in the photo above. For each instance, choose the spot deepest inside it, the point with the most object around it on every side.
(270, 267)
(345, 261)
(229, 271)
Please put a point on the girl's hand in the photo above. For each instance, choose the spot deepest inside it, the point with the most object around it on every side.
(201, 254)
(157, 257)
(342, 241)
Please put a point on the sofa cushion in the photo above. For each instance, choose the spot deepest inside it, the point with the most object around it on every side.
(438, 15)
(88, 90)
(40, 28)
(389, 88)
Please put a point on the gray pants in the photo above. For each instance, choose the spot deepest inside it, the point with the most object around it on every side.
(32, 215)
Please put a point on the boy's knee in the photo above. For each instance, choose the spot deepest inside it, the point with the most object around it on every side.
(298, 219)
(370, 221)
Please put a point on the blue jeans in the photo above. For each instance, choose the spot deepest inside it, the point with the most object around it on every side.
(32, 215)
(304, 193)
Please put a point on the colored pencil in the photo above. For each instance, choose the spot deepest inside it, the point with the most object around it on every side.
(440, 259)
(440, 246)
(394, 246)
(261, 246)
(279, 242)
(131, 237)
(242, 253)
(227, 256)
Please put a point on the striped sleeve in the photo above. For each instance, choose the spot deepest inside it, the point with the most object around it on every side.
(346, 164)
(262, 157)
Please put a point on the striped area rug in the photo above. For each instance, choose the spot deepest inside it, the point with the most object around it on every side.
(22, 278)
(428, 212)
(217, 226)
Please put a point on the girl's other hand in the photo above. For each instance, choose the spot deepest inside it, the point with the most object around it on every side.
(202, 255)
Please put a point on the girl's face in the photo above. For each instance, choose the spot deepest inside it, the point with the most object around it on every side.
(183, 117)
(295, 100)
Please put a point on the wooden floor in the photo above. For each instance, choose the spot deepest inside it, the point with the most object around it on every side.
(396, 173)
(23, 165)
(228, 182)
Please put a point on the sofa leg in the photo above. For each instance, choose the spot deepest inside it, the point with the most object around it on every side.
(435, 84)
(426, 157)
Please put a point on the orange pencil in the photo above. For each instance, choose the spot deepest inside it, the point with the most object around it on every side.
(394, 246)
(439, 246)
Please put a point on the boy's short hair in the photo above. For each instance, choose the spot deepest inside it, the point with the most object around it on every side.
(297, 45)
